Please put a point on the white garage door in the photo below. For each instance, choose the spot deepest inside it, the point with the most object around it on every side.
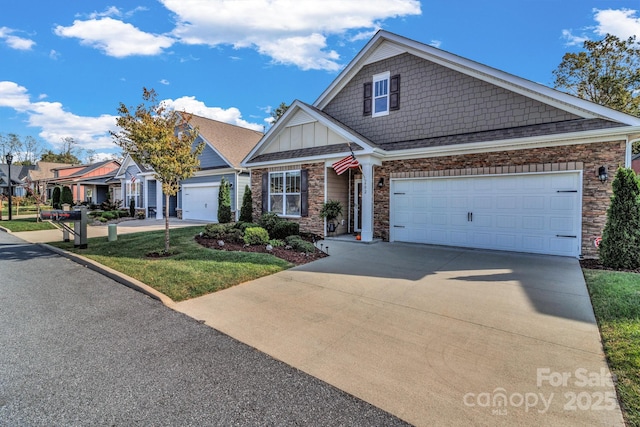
(537, 213)
(200, 202)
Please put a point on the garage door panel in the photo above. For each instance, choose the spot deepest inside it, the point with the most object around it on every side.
(200, 203)
(519, 213)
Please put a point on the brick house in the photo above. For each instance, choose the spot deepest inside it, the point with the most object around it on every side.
(450, 152)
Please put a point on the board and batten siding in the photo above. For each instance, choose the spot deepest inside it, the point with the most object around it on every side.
(306, 135)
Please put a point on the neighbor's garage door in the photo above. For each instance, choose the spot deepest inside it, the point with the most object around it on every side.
(537, 213)
(200, 202)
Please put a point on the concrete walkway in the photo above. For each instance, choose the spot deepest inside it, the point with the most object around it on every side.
(436, 336)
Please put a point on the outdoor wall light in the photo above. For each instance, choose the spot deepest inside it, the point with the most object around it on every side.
(381, 183)
(602, 174)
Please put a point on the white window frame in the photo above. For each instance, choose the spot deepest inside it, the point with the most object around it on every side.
(133, 191)
(381, 82)
(284, 192)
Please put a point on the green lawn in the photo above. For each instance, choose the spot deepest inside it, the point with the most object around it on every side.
(191, 271)
(616, 302)
(26, 224)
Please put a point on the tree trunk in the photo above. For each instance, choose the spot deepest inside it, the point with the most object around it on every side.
(166, 224)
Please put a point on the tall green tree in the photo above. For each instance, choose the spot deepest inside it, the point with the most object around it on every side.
(162, 140)
(50, 156)
(224, 202)
(620, 246)
(246, 211)
(607, 72)
(278, 112)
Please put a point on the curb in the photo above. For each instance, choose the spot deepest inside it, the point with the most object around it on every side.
(123, 279)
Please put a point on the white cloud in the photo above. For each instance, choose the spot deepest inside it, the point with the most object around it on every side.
(92, 133)
(55, 123)
(115, 38)
(191, 105)
(15, 42)
(54, 55)
(290, 31)
(436, 43)
(622, 23)
(164, 82)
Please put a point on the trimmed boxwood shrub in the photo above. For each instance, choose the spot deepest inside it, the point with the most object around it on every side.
(268, 221)
(299, 244)
(284, 228)
(216, 231)
(240, 225)
(256, 236)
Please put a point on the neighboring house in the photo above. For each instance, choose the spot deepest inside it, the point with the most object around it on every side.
(635, 163)
(19, 179)
(451, 152)
(225, 147)
(88, 183)
(41, 176)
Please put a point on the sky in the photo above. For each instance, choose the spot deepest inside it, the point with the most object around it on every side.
(65, 66)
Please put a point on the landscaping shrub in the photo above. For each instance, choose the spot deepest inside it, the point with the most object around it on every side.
(240, 225)
(298, 244)
(246, 212)
(276, 243)
(216, 231)
(268, 221)
(283, 228)
(235, 235)
(55, 198)
(224, 202)
(109, 215)
(256, 236)
(67, 196)
(620, 246)
(122, 213)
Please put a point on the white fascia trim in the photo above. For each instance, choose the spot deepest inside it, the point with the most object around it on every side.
(214, 172)
(605, 135)
(201, 184)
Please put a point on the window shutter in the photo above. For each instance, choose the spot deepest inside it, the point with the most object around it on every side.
(366, 104)
(304, 192)
(394, 92)
(265, 192)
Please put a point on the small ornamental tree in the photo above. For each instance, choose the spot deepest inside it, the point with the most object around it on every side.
(224, 202)
(162, 140)
(246, 212)
(55, 198)
(67, 196)
(620, 246)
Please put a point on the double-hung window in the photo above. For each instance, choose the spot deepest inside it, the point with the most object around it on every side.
(285, 193)
(133, 192)
(381, 94)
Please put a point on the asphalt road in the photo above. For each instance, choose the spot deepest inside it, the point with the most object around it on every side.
(77, 348)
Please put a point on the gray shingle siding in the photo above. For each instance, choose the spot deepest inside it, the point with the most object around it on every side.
(437, 101)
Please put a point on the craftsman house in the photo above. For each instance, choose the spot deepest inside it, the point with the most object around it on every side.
(449, 152)
(225, 147)
(89, 183)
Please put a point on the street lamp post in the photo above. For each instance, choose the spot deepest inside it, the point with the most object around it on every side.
(9, 159)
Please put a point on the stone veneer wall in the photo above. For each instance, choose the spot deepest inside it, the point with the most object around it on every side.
(587, 157)
(311, 223)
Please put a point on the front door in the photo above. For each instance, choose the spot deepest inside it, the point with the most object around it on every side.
(357, 212)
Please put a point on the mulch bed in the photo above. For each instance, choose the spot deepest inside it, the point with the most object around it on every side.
(290, 255)
(595, 264)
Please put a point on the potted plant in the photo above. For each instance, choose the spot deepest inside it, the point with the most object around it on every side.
(331, 210)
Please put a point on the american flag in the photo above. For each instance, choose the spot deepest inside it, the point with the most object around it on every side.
(345, 164)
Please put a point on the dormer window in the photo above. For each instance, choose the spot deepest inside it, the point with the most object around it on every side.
(381, 95)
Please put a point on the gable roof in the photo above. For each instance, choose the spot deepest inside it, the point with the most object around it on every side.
(231, 142)
(357, 142)
(44, 170)
(386, 45)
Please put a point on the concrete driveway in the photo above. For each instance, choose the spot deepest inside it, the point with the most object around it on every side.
(434, 335)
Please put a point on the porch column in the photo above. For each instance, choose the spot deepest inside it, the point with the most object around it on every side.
(367, 164)
(159, 200)
(78, 192)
